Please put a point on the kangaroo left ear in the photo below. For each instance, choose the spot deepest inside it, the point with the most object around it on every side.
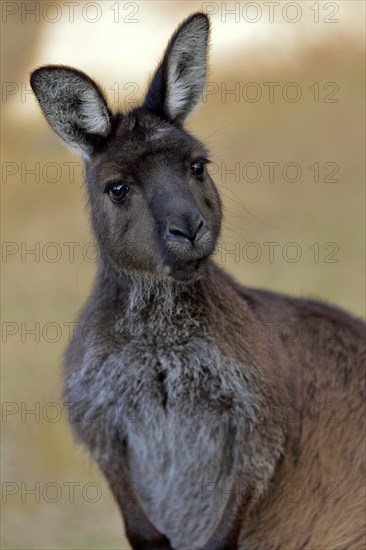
(73, 105)
(177, 85)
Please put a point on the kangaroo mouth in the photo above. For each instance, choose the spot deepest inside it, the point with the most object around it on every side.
(184, 263)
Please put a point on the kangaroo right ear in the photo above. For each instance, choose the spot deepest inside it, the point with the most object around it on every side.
(178, 83)
(73, 105)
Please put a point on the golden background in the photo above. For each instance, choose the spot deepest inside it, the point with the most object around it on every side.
(320, 216)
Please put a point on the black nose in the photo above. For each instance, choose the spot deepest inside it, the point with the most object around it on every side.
(186, 229)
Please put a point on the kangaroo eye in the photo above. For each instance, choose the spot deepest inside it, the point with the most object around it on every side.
(198, 168)
(117, 191)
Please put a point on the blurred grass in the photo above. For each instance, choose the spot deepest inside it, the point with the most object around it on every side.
(303, 212)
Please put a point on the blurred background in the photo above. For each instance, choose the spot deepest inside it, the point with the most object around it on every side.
(283, 117)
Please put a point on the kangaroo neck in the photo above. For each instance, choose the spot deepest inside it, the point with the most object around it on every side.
(140, 295)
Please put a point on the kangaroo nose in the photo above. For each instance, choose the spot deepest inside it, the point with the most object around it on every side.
(185, 229)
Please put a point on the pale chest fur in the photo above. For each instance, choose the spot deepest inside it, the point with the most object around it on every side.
(180, 410)
(159, 390)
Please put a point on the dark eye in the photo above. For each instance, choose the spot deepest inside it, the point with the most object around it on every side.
(117, 191)
(198, 168)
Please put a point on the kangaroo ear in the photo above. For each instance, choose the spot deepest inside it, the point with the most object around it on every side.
(178, 83)
(73, 105)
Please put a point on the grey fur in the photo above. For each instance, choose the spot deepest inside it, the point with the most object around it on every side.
(181, 443)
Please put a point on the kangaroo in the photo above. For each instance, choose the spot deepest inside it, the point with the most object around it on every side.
(210, 438)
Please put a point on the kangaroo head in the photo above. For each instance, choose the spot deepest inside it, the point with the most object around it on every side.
(154, 207)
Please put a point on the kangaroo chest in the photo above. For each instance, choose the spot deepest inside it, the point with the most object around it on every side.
(179, 409)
